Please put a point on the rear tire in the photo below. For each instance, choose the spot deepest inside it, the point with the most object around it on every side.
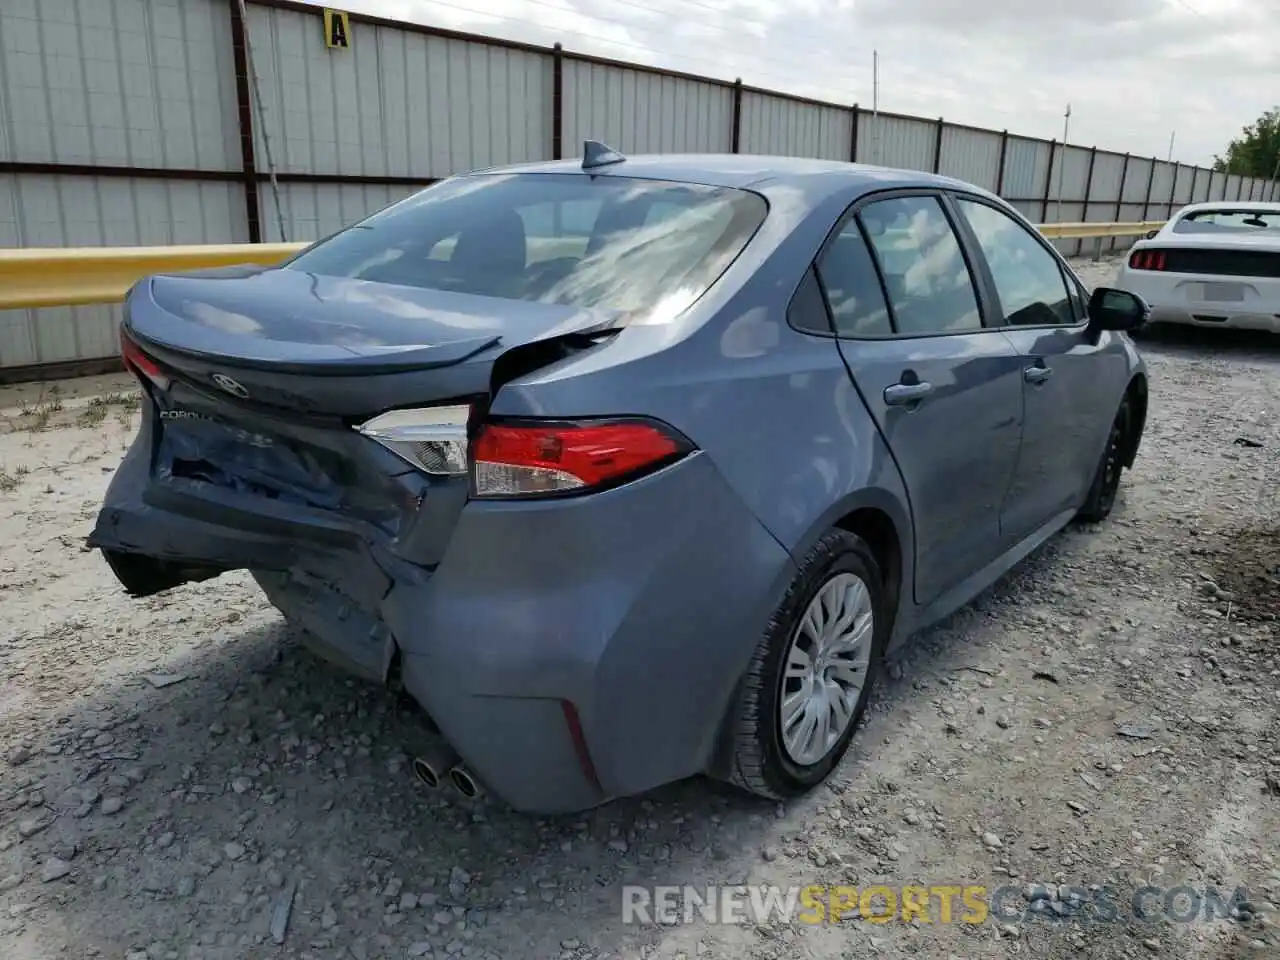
(1106, 479)
(839, 585)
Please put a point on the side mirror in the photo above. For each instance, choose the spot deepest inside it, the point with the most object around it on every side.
(1111, 309)
(1151, 234)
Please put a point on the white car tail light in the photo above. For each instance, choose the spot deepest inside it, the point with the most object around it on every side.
(433, 439)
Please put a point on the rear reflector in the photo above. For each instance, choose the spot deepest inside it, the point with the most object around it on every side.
(541, 459)
(140, 364)
(433, 439)
(1147, 260)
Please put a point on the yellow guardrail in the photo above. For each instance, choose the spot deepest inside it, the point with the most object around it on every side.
(63, 277)
(1084, 231)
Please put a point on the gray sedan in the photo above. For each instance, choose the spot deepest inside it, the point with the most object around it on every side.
(629, 469)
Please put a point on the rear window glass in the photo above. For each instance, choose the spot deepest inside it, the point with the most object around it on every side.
(1226, 218)
(644, 248)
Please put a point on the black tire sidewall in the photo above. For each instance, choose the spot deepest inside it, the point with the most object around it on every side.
(839, 552)
(1101, 500)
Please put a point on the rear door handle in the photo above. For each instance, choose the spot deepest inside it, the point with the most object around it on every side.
(1037, 374)
(899, 394)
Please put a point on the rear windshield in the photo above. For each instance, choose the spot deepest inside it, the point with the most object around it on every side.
(641, 247)
(1228, 219)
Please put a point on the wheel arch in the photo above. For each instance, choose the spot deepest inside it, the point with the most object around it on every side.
(1136, 394)
(882, 520)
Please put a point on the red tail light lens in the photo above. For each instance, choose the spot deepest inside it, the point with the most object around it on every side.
(542, 459)
(140, 364)
(1147, 260)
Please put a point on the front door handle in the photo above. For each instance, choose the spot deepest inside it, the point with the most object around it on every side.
(1037, 374)
(899, 394)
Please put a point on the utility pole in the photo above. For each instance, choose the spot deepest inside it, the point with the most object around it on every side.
(1171, 136)
(1062, 161)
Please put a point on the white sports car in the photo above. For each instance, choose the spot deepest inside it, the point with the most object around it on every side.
(1212, 264)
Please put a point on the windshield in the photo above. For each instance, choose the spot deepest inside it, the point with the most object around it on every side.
(1229, 219)
(640, 247)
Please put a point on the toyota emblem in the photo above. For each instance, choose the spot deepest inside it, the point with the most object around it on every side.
(233, 387)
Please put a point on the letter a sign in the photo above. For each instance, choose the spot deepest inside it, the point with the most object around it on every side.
(337, 29)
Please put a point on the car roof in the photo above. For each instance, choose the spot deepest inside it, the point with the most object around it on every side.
(749, 171)
(1242, 205)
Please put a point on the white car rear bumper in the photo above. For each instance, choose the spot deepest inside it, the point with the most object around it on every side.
(1247, 303)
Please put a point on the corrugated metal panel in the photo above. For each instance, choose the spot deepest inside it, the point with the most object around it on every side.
(1200, 185)
(1182, 185)
(1105, 188)
(644, 113)
(971, 155)
(395, 103)
(1072, 165)
(145, 83)
(1131, 212)
(57, 211)
(312, 211)
(1028, 208)
(1135, 183)
(780, 126)
(904, 143)
(1235, 186)
(1025, 166)
(1162, 185)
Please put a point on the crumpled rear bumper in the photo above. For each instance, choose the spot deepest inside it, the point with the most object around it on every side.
(570, 651)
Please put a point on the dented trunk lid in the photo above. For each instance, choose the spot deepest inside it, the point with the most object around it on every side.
(253, 432)
(332, 346)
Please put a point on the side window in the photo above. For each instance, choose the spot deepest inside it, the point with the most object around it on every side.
(929, 285)
(852, 286)
(807, 311)
(1028, 278)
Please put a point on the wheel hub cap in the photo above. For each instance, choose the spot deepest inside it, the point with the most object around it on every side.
(825, 669)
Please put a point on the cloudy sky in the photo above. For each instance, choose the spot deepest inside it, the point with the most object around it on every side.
(1133, 71)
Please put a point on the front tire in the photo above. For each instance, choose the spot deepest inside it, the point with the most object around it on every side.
(812, 674)
(1106, 479)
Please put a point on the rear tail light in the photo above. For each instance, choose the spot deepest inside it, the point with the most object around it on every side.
(433, 439)
(1147, 260)
(532, 459)
(140, 364)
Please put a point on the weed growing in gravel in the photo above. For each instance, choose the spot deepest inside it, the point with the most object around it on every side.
(10, 481)
(91, 415)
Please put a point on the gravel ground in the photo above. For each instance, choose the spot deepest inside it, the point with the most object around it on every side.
(177, 772)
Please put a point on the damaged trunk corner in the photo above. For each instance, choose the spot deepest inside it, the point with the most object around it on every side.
(250, 454)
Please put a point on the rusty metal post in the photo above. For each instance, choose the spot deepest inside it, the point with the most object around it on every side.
(557, 102)
(244, 104)
(736, 137)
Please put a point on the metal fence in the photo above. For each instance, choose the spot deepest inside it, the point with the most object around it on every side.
(129, 122)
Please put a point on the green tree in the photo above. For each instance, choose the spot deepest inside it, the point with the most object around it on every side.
(1256, 151)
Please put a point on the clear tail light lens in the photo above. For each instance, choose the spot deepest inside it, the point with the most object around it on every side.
(433, 439)
(531, 459)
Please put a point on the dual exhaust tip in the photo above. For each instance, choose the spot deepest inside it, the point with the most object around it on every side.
(441, 765)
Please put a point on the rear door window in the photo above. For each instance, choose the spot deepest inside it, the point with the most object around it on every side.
(644, 248)
(925, 275)
(852, 286)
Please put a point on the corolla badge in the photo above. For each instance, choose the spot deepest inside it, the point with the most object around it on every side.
(233, 387)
